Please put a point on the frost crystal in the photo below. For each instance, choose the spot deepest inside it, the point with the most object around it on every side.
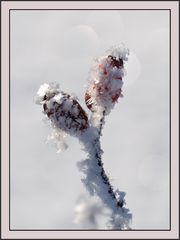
(57, 138)
(119, 52)
(46, 91)
(105, 80)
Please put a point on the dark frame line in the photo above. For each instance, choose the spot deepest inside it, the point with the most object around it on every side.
(10, 10)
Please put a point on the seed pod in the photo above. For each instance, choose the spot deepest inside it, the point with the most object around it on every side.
(105, 85)
(63, 110)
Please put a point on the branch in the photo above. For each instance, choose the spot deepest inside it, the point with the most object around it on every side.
(97, 182)
(67, 116)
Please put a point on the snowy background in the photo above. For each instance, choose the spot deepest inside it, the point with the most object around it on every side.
(59, 46)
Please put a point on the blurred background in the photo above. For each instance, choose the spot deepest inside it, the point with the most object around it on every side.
(60, 46)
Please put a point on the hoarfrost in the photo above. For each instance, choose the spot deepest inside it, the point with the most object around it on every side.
(48, 90)
(57, 138)
(119, 51)
(105, 79)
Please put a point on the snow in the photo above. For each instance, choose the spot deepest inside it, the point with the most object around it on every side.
(58, 98)
(46, 89)
(75, 110)
(68, 104)
(43, 89)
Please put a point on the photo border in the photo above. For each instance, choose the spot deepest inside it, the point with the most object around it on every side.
(17, 6)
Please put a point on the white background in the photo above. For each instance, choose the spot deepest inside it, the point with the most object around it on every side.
(59, 46)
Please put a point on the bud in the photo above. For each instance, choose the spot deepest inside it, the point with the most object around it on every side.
(62, 109)
(105, 85)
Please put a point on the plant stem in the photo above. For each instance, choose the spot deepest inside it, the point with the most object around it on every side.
(96, 180)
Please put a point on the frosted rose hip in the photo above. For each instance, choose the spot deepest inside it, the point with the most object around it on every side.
(105, 83)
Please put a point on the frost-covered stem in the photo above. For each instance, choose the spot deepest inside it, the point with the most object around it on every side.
(98, 155)
(101, 122)
(96, 179)
(96, 158)
(68, 116)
